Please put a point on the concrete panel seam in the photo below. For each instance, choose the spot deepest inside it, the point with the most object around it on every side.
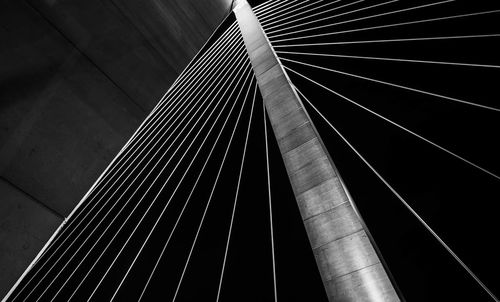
(292, 130)
(33, 198)
(86, 56)
(338, 238)
(354, 271)
(331, 209)
(265, 70)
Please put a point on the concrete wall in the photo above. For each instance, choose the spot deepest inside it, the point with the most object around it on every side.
(76, 79)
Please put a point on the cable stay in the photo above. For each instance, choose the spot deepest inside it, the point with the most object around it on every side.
(271, 228)
(389, 59)
(394, 40)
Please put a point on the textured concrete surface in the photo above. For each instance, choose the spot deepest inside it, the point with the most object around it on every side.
(76, 79)
(348, 263)
(25, 226)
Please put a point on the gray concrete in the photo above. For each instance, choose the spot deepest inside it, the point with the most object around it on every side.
(76, 79)
(349, 266)
(25, 226)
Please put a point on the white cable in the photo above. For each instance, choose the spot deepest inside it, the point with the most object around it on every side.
(392, 40)
(389, 59)
(270, 205)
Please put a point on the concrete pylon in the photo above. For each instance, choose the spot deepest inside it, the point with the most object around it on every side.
(348, 263)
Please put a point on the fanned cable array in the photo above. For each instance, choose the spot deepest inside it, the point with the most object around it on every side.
(379, 56)
(162, 219)
(114, 245)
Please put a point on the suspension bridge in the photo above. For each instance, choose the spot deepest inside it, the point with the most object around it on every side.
(231, 188)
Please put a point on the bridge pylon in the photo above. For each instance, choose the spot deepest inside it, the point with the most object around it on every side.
(349, 265)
